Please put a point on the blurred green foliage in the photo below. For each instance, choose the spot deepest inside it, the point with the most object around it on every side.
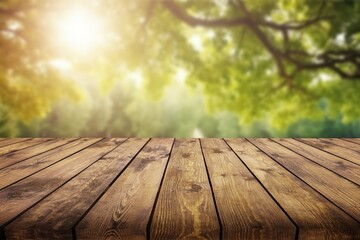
(155, 75)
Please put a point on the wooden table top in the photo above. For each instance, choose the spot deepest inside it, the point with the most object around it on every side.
(165, 188)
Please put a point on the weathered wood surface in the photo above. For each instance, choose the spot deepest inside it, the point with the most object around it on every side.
(246, 210)
(329, 146)
(21, 195)
(124, 211)
(185, 196)
(338, 165)
(305, 206)
(9, 141)
(30, 166)
(13, 157)
(17, 146)
(55, 216)
(337, 189)
(179, 189)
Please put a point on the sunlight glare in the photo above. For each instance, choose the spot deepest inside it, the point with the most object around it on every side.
(210, 34)
(197, 133)
(181, 75)
(60, 64)
(136, 77)
(196, 42)
(80, 30)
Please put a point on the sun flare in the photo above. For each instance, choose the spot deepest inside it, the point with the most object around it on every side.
(80, 30)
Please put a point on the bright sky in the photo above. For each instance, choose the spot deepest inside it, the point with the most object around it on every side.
(77, 31)
(80, 30)
(181, 75)
(197, 42)
(136, 77)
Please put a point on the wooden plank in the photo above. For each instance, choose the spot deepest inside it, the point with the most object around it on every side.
(353, 140)
(246, 210)
(327, 146)
(22, 145)
(20, 170)
(315, 216)
(20, 196)
(21, 155)
(342, 167)
(55, 216)
(185, 208)
(343, 143)
(124, 210)
(8, 141)
(340, 191)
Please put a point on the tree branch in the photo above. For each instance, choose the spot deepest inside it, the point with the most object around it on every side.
(181, 14)
(328, 59)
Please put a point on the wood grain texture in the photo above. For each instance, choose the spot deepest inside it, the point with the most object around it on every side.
(342, 167)
(20, 170)
(185, 208)
(246, 210)
(353, 140)
(54, 216)
(343, 143)
(340, 191)
(98, 188)
(315, 216)
(327, 146)
(25, 193)
(7, 141)
(124, 210)
(22, 145)
(18, 156)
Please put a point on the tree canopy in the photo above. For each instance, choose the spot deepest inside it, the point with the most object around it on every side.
(278, 62)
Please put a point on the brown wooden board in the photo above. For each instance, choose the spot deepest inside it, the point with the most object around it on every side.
(353, 140)
(327, 146)
(340, 191)
(185, 208)
(112, 188)
(22, 145)
(246, 210)
(55, 216)
(18, 156)
(20, 170)
(343, 143)
(18, 197)
(7, 141)
(314, 215)
(124, 210)
(336, 164)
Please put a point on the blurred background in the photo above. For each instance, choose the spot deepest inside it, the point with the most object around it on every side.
(179, 68)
